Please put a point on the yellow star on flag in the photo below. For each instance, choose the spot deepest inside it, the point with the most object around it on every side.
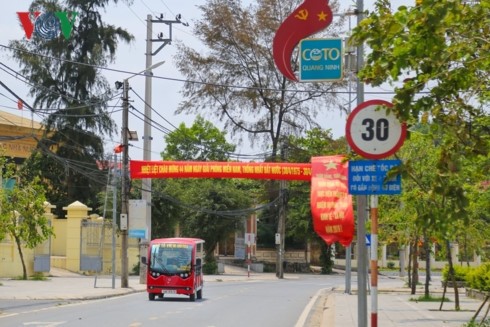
(322, 16)
(331, 165)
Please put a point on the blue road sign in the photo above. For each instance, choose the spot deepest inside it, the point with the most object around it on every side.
(137, 233)
(321, 60)
(367, 177)
(368, 239)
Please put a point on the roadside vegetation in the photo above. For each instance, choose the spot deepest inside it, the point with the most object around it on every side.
(433, 55)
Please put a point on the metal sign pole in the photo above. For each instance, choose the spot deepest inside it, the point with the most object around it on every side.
(361, 203)
(374, 260)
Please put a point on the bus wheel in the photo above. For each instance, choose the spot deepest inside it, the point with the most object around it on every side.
(151, 296)
(199, 294)
(192, 297)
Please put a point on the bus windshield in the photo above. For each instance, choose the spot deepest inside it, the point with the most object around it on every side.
(171, 258)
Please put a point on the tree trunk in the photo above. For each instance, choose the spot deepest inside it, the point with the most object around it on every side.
(415, 267)
(427, 266)
(479, 309)
(443, 295)
(21, 255)
(452, 277)
(466, 250)
(409, 268)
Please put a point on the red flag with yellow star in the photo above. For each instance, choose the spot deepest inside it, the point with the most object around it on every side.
(331, 204)
(309, 18)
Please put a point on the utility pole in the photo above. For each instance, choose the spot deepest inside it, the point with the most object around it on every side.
(114, 223)
(124, 188)
(281, 226)
(281, 231)
(147, 138)
(361, 203)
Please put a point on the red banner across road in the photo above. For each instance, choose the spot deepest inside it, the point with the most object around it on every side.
(197, 169)
(331, 205)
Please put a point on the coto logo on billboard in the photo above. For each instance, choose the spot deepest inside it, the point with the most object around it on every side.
(320, 54)
(48, 25)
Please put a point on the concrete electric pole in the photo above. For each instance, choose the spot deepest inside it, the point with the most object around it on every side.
(362, 206)
(124, 188)
(147, 138)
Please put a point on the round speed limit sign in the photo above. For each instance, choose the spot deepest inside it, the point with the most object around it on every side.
(373, 133)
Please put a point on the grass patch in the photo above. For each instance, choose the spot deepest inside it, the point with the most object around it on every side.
(36, 276)
(485, 323)
(429, 298)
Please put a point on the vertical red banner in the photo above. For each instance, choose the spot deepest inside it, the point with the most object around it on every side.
(331, 204)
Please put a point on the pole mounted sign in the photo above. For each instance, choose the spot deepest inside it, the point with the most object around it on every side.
(373, 132)
(368, 177)
(320, 60)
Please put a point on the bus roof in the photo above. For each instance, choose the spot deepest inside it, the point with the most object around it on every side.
(181, 240)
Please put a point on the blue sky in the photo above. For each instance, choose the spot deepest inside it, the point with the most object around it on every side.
(131, 58)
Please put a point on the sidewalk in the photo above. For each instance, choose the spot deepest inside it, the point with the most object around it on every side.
(396, 306)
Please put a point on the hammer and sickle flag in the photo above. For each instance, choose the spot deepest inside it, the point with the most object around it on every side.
(309, 18)
(331, 204)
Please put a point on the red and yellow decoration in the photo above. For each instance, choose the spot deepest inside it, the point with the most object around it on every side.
(197, 169)
(309, 18)
(331, 205)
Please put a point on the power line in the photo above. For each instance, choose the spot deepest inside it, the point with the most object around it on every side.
(186, 80)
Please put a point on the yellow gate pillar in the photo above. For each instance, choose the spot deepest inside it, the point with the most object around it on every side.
(75, 212)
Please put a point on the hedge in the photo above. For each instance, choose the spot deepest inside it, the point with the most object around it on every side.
(479, 278)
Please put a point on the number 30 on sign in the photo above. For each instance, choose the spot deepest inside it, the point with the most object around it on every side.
(373, 133)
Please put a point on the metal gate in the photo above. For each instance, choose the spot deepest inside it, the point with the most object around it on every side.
(42, 255)
(92, 234)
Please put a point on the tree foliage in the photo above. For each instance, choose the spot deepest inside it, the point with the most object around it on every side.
(236, 80)
(315, 143)
(200, 142)
(440, 48)
(22, 212)
(206, 208)
(435, 55)
(299, 224)
(67, 86)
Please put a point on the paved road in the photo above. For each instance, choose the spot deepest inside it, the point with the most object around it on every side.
(326, 307)
(238, 303)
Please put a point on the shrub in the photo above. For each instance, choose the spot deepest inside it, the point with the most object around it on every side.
(326, 260)
(210, 267)
(479, 278)
(136, 269)
(390, 265)
(460, 273)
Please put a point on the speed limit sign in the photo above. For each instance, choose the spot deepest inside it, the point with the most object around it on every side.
(373, 133)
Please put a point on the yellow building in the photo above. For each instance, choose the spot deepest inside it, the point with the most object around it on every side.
(74, 245)
(18, 134)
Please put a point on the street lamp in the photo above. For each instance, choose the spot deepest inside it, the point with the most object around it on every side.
(126, 135)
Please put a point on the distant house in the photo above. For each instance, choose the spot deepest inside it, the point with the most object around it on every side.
(18, 135)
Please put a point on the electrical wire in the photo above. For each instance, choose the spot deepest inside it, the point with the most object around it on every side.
(186, 80)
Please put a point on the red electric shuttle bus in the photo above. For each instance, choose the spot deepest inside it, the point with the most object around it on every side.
(174, 267)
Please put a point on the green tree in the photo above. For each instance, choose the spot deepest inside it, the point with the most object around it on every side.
(436, 47)
(67, 85)
(205, 208)
(22, 213)
(236, 80)
(200, 142)
(315, 143)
